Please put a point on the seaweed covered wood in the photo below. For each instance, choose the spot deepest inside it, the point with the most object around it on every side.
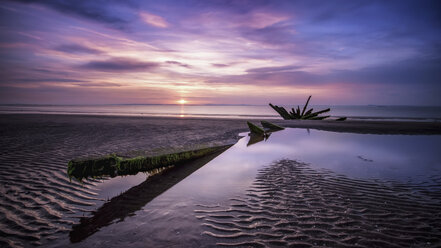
(255, 129)
(113, 165)
(258, 134)
(297, 114)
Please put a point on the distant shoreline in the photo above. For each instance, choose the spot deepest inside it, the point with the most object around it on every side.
(214, 104)
(221, 116)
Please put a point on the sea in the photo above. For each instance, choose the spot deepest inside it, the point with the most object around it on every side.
(364, 112)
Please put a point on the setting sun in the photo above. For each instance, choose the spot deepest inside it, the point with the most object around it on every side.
(182, 101)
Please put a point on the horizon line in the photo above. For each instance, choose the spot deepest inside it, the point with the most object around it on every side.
(208, 104)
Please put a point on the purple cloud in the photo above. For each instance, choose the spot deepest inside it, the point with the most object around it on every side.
(52, 80)
(76, 48)
(119, 65)
(95, 85)
(99, 10)
(171, 62)
(220, 65)
(274, 69)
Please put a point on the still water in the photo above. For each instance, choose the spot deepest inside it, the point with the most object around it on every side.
(297, 187)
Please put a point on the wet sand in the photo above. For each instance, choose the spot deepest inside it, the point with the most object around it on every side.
(38, 203)
(292, 205)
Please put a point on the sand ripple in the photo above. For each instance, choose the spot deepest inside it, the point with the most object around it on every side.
(292, 205)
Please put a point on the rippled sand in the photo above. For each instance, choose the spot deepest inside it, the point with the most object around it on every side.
(292, 205)
(38, 203)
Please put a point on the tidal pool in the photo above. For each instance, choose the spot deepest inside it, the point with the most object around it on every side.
(298, 187)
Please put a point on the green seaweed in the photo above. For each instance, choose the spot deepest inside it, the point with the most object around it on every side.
(100, 166)
(113, 165)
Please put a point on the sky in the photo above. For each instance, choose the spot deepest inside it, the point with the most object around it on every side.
(220, 52)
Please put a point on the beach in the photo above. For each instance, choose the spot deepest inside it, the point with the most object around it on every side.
(220, 124)
(39, 204)
(35, 149)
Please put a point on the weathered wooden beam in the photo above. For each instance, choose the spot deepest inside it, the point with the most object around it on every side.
(270, 126)
(255, 129)
(113, 165)
(306, 105)
(298, 112)
(281, 111)
(315, 114)
(255, 138)
(309, 111)
(285, 113)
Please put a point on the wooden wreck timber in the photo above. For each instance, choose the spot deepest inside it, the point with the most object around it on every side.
(297, 114)
(255, 129)
(256, 138)
(258, 134)
(113, 165)
(270, 126)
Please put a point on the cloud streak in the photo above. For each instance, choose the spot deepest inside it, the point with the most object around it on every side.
(154, 20)
(77, 49)
(98, 10)
(119, 65)
(178, 63)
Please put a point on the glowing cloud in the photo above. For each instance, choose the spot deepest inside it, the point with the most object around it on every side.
(154, 20)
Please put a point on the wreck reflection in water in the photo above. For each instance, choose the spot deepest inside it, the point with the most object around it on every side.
(221, 202)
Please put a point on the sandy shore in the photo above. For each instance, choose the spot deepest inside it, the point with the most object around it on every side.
(158, 132)
(41, 204)
(123, 134)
